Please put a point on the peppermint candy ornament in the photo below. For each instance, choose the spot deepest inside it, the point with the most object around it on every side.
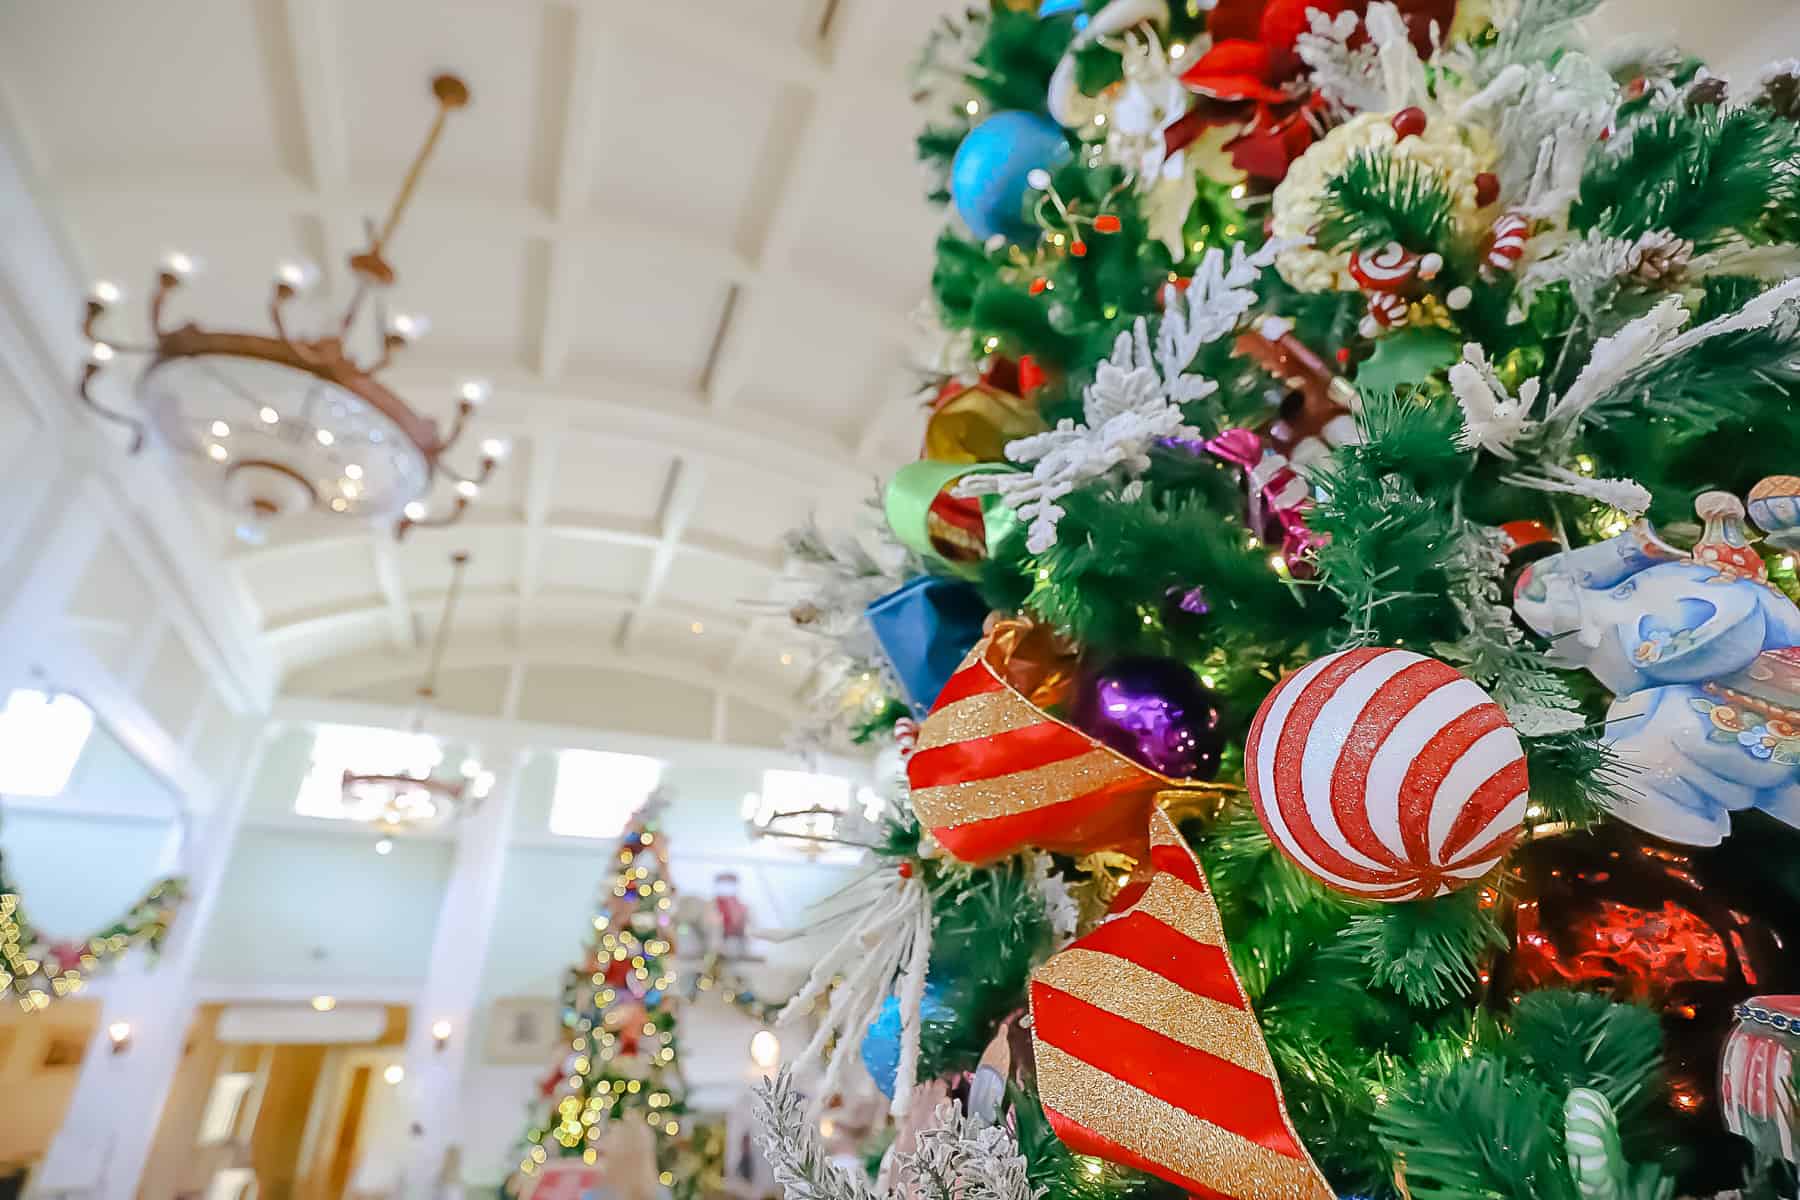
(1386, 774)
(1386, 311)
(1505, 244)
(1389, 269)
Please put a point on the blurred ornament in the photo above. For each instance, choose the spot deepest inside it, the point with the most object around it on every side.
(1774, 505)
(925, 629)
(1525, 543)
(1386, 774)
(1757, 1078)
(1409, 122)
(1155, 712)
(881, 1045)
(1184, 610)
(1591, 1136)
(1134, 1067)
(1386, 311)
(1317, 411)
(972, 423)
(990, 175)
(1690, 933)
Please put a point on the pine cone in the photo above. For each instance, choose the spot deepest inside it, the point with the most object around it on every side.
(1660, 255)
(1781, 95)
(1708, 92)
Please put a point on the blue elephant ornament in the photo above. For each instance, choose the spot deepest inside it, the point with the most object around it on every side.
(1702, 655)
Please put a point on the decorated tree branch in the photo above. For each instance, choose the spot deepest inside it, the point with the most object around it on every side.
(1369, 431)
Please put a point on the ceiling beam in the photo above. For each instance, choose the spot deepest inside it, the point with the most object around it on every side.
(313, 43)
(687, 480)
(403, 630)
(540, 491)
(859, 27)
(273, 555)
(573, 189)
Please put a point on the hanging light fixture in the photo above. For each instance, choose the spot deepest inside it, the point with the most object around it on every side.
(278, 423)
(393, 802)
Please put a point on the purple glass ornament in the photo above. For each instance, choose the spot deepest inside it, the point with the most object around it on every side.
(1155, 712)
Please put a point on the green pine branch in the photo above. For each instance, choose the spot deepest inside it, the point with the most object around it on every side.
(1378, 198)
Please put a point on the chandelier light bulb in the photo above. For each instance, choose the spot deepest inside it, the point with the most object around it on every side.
(476, 391)
(298, 274)
(217, 452)
(394, 1074)
(220, 429)
(269, 416)
(385, 846)
(468, 489)
(353, 471)
(107, 292)
(100, 352)
(414, 511)
(494, 448)
(325, 436)
(324, 1003)
(470, 768)
(180, 264)
(765, 1049)
(410, 325)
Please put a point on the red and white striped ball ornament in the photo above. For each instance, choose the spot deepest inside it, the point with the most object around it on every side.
(1386, 774)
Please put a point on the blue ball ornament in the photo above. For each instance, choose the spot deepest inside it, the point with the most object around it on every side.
(990, 177)
(881, 1045)
(1058, 8)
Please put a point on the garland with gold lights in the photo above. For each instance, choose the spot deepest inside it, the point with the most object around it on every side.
(39, 970)
(620, 1064)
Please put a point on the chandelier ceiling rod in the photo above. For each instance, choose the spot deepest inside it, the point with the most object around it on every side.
(459, 562)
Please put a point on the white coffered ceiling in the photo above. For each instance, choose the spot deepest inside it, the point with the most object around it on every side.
(683, 241)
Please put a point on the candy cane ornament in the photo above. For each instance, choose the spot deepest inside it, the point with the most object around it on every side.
(1505, 245)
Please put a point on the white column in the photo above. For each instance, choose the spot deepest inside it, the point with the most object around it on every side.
(99, 1151)
(433, 1087)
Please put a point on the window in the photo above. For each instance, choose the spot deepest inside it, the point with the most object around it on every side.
(598, 792)
(823, 799)
(365, 751)
(41, 739)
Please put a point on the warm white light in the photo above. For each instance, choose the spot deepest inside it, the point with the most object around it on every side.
(475, 391)
(482, 784)
(339, 504)
(827, 1127)
(1239, 192)
(41, 739)
(468, 489)
(297, 274)
(415, 511)
(410, 325)
(100, 352)
(469, 767)
(326, 437)
(221, 429)
(972, 107)
(1177, 49)
(1099, 118)
(440, 1030)
(179, 263)
(269, 416)
(217, 452)
(119, 1032)
(385, 846)
(494, 448)
(324, 1003)
(394, 1073)
(765, 1049)
(353, 471)
(697, 627)
(787, 660)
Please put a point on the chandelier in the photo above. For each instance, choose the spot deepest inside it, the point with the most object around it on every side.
(294, 419)
(422, 796)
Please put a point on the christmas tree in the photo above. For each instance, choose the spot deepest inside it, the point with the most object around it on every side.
(614, 1098)
(1348, 593)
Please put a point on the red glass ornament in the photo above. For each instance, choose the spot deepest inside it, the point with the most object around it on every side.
(1487, 188)
(1409, 122)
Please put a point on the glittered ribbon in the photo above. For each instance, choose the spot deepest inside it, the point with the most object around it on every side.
(915, 505)
(1148, 1053)
(994, 773)
(972, 423)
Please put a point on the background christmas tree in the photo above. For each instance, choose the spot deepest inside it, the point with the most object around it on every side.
(1274, 331)
(620, 1064)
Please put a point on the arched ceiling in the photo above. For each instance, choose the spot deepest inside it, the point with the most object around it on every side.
(682, 240)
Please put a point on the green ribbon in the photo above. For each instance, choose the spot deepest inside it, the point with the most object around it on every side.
(913, 489)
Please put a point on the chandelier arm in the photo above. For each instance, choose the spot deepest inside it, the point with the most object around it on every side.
(166, 282)
(440, 522)
(463, 411)
(277, 302)
(356, 299)
(389, 343)
(132, 423)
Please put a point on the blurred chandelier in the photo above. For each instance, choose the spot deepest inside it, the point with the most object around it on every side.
(281, 423)
(424, 797)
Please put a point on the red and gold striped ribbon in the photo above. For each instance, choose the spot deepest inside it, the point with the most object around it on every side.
(994, 773)
(1148, 1053)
